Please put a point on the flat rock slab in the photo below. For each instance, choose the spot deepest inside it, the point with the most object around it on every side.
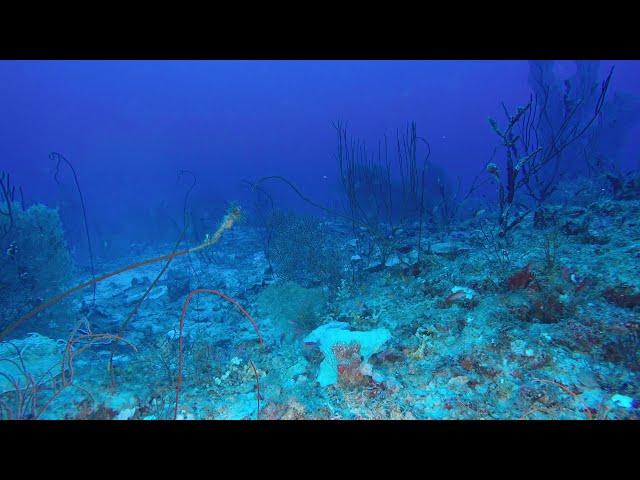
(41, 356)
(449, 250)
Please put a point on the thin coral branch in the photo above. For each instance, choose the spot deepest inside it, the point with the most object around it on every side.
(68, 356)
(227, 222)
(185, 307)
(255, 371)
(59, 158)
(8, 194)
(566, 390)
(136, 307)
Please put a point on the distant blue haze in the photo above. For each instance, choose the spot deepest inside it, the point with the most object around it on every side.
(129, 126)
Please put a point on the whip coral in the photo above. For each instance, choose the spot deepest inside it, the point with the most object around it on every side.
(230, 218)
(180, 342)
(227, 222)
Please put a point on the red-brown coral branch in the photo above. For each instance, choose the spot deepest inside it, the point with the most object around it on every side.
(255, 371)
(183, 314)
(227, 222)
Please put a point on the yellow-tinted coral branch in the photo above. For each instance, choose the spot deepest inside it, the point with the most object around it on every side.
(227, 222)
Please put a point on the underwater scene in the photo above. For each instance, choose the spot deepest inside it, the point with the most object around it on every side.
(320, 240)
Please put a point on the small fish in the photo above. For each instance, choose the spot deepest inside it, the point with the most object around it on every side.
(454, 296)
(12, 250)
(575, 279)
(581, 284)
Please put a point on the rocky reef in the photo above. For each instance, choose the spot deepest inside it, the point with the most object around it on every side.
(549, 329)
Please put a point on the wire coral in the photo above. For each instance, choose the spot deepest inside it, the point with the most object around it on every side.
(85, 340)
(89, 339)
(180, 338)
(7, 196)
(29, 373)
(228, 221)
(59, 158)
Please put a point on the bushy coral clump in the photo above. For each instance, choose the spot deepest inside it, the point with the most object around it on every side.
(302, 250)
(35, 262)
(295, 309)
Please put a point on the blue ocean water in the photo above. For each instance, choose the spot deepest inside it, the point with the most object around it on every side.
(320, 240)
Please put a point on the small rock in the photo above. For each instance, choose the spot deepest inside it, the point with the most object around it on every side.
(518, 347)
(392, 261)
(622, 401)
(606, 207)
(404, 249)
(155, 294)
(544, 217)
(458, 381)
(178, 286)
(126, 414)
(375, 267)
(468, 292)
(595, 237)
(183, 415)
(575, 227)
(450, 250)
(623, 296)
(576, 212)
(411, 258)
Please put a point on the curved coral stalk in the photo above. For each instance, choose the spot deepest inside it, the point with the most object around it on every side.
(227, 222)
(183, 314)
